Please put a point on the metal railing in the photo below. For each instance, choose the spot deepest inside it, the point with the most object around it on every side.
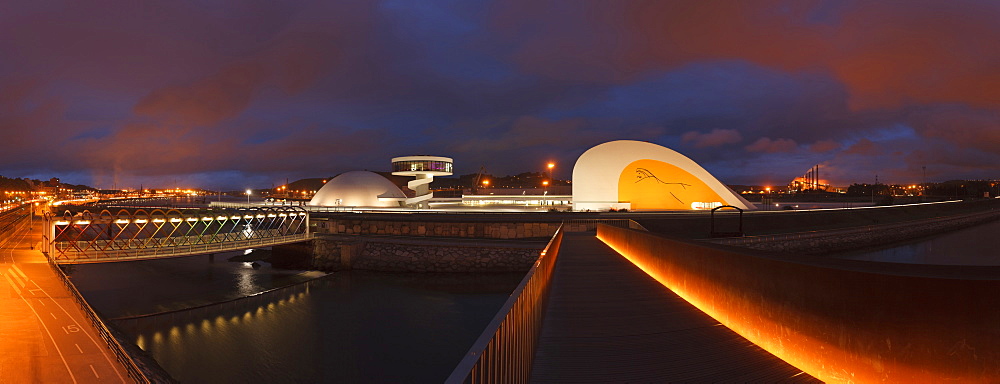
(591, 224)
(748, 240)
(121, 355)
(67, 254)
(139, 233)
(505, 350)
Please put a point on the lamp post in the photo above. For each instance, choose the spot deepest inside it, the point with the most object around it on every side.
(248, 196)
(551, 165)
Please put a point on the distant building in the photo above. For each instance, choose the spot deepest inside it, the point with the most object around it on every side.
(424, 168)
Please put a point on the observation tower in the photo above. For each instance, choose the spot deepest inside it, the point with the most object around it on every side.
(424, 168)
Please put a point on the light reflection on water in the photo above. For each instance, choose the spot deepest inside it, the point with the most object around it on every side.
(142, 287)
(969, 246)
(349, 327)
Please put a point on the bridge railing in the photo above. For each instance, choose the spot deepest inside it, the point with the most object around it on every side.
(505, 350)
(142, 233)
(68, 255)
(112, 343)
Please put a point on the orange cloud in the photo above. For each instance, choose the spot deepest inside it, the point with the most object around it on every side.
(824, 146)
(887, 53)
(767, 145)
(715, 138)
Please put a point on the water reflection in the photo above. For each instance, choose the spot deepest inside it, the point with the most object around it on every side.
(171, 284)
(962, 247)
(349, 327)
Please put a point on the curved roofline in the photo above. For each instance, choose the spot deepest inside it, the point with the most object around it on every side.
(422, 158)
(604, 162)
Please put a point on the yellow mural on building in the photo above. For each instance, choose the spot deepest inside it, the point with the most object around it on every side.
(656, 185)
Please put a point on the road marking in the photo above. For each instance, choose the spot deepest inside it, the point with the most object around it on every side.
(46, 328)
(53, 316)
(78, 348)
(18, 270)
(41, 302)
(95, 371)
(12, 285)
(103, 348)
(17, 279)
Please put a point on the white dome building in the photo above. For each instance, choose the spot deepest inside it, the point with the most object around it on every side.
(359, 189)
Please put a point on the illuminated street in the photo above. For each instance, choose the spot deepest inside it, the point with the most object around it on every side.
(44, 336)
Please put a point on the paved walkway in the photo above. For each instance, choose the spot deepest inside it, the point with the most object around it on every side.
(44, 336)
(608, 321)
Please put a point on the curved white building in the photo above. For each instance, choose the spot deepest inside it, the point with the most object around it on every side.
(638, 175)
(424, 168)
(358, 189)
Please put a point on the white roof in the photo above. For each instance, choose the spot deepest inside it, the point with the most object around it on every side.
(358, 189)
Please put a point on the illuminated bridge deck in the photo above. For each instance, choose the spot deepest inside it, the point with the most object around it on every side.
(608, 321)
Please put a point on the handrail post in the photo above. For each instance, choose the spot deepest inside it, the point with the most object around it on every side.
(503, 352)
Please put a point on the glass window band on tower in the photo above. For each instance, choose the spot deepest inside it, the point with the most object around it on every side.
(411, 166)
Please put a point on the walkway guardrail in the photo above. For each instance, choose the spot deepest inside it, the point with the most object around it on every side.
(591, 224)
(112, 343)
(505, 350)
(837, 320)
(750, 240)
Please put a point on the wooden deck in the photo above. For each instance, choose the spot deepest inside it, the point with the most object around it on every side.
(608, 321)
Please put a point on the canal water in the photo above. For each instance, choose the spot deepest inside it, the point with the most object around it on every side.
(346, 327)
(969, 246)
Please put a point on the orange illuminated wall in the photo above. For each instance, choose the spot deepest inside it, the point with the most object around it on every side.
(841, 321)
(652, 184)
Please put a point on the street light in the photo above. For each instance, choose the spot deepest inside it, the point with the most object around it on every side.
(551, 165)
(248, 196)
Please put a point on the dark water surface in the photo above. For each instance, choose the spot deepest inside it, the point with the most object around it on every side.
(346, 327)
(970, 246)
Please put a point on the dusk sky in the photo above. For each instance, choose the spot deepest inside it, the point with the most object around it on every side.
(235, 94)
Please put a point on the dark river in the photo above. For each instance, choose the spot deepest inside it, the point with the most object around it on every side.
(346, 327)
(969, 246)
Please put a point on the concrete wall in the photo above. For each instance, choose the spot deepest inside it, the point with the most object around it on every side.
(838, 320)
(394, 255)
(471, 229)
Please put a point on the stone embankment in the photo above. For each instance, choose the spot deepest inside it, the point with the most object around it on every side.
(334, 253)
(840, 240)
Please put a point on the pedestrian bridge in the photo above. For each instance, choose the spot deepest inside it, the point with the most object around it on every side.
(141, 234)
(627, 305)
